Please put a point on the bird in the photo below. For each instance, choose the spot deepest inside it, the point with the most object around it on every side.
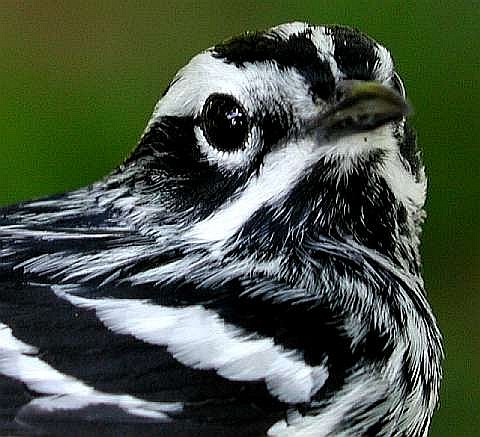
(253, 267)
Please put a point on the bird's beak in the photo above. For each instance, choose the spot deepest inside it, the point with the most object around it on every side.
(360, 105)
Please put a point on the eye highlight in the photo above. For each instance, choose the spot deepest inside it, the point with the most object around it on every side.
(224, 122)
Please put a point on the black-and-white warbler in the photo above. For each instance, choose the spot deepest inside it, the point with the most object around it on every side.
(251, 269)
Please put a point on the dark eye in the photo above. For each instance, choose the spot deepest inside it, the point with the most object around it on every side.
(224, 122)
(398, 85)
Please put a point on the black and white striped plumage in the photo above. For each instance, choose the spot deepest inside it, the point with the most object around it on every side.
(252, 269)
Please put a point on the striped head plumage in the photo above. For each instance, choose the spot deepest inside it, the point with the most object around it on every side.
(251, 269)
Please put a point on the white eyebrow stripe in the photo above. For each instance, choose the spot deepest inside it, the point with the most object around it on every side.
(199, 338)
(213, 75)
(18, 361)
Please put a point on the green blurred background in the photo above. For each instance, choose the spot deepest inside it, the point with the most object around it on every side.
(78, 81)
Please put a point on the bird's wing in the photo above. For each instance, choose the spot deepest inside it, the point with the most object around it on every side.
(63, 369)
(85, 349)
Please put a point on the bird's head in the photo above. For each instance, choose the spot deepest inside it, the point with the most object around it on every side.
(290, 135)
(277, 188)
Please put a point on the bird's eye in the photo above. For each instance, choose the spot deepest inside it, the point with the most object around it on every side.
(398, 85)
(224, 122)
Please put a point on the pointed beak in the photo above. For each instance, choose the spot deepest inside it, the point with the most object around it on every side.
(361, 105)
